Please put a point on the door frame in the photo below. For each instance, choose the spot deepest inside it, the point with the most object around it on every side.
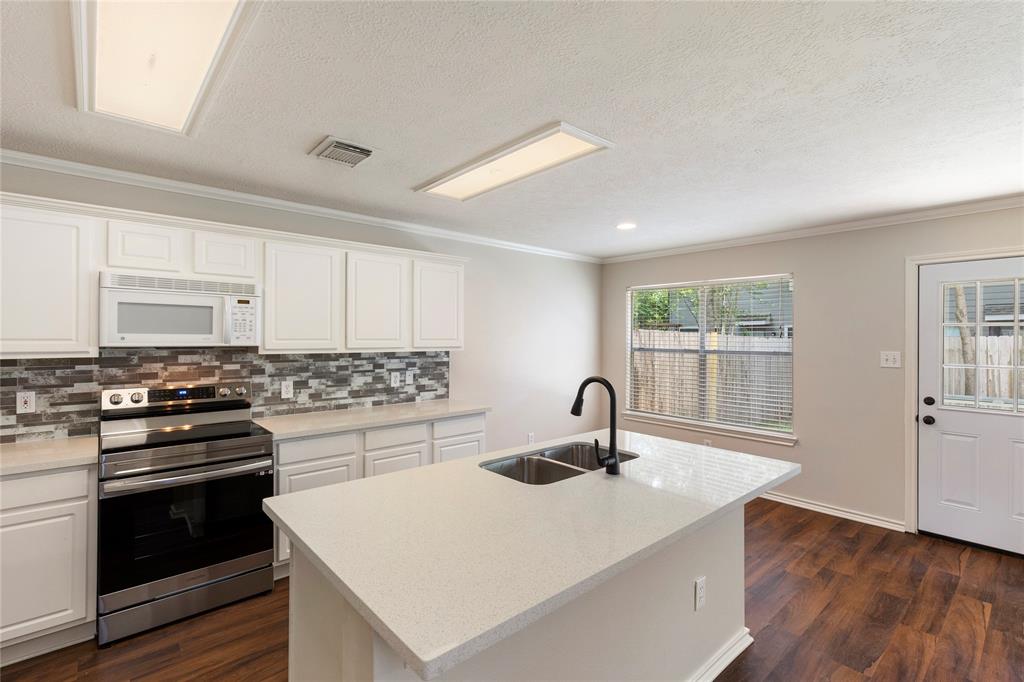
(910, 365)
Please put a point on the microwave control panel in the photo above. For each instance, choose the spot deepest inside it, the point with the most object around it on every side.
(244, 322)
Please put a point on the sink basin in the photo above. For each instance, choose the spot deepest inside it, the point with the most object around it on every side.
(553, 464)
(580, 455)
(532, 469)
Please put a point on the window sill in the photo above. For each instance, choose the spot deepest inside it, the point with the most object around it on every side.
(702, 427)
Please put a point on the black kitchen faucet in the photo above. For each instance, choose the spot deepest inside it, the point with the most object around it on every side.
(611, 462)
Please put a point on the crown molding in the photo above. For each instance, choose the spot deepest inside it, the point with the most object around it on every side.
(916, 216)
(45, 163)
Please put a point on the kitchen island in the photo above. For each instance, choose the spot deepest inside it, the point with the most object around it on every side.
(452, 571)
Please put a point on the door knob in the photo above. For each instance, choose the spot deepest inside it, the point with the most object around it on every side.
(928, 419)
(928, 400)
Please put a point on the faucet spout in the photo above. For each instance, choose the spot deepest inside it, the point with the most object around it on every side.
(611, 462)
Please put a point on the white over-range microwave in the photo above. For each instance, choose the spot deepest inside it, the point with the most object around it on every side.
(153, 310)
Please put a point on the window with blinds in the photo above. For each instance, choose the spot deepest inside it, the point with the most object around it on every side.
(719, 352)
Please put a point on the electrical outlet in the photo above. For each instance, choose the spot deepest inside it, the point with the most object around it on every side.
(26, 402)
(891, 359)
(410, 377)
(287, 390)
(700, 593)
(396, 379)
(707, 442)
(529, 438)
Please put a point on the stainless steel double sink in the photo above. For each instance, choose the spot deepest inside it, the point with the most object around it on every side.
(551, 464)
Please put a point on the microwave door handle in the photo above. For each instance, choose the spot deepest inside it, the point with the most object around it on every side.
(115, 488)
(226, 314)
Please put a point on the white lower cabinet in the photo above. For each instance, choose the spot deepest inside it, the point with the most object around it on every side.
(295, 477)
(47, 552)
(457, 448)
(394, 459)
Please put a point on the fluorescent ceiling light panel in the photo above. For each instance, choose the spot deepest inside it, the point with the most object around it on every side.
(151, 61)
(539, 152)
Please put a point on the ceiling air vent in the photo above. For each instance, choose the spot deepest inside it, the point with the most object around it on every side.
(344, 153)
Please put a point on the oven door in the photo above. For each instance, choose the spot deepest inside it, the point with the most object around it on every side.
(167, 532)
(148, 319)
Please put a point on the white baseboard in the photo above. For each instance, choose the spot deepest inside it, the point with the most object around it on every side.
(44, 644)
(870, 519)
(726, 655)
(281, 570)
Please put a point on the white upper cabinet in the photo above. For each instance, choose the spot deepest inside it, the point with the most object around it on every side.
(437, 305)
(225, 254)
(302, 298)
(378, 297)
(47, 284)
(150, 247)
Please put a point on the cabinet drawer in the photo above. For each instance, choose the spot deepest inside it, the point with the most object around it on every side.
(387, 461)
(459, 426)
(306, 449)
(39, 488)
(396, 435)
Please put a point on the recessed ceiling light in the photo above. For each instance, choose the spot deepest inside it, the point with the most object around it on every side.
(153, 62)
(625, 226)
(538, 152)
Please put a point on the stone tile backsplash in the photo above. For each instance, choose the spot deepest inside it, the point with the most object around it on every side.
(68, 389)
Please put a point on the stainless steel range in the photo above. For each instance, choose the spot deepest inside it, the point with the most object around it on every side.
(183, 472)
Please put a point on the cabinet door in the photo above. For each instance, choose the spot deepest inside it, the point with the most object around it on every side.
(47, 284)
(151, 247)
(43, 567)
(457, 448)
(225, 254)
(295, 477)
(396, 459)
(378, 301)
(437, 305)
(302, 298)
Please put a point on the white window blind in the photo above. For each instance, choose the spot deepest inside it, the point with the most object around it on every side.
(718, 352)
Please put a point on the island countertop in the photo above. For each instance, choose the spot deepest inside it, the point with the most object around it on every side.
(445, 560)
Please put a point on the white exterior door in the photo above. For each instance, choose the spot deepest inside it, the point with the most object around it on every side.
(971, 402)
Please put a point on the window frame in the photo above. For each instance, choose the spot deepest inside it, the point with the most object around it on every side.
(729, 430)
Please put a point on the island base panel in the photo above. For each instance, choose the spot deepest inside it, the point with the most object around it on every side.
(638, 625)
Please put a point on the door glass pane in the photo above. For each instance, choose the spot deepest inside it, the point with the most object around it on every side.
(995, 345)
(958, 346)
(153, 318)
(958, 386)
(960, 301)
(1020, 390)
(995, 389)
(997, 302)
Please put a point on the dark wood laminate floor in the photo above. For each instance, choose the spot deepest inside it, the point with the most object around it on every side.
(827, 599)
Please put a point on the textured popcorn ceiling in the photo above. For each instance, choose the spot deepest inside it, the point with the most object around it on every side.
(730, 120)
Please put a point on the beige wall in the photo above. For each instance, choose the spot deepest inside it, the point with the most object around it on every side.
(531, 321)
(848, 306)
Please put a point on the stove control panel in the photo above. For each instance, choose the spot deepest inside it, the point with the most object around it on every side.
(134, 397)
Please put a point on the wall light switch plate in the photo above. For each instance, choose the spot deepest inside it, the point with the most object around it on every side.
(287, 390)
(410, 376)
(26, 402)
(529, 438)
(396, 379)
(891, 359)
(700, 593)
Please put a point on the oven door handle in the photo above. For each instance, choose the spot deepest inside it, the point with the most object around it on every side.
(115, 488)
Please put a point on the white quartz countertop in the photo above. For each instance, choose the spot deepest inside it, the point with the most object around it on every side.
(335, 421)
(53, 453)
(447, 559)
